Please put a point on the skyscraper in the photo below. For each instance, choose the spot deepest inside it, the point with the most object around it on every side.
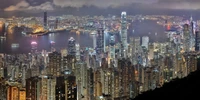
(197, 41)
(112, 47)
(54, 66)
(145, 42)
(72, 46)
(78, 52)
(123, 34)
(186, 34)
(100, 43)
(45, 20)
(2, 28)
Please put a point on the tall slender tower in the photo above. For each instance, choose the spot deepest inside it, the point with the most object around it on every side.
(123, 34)
(45, 20)
(72, 46)
(78, 52)
(186, 34)
(112, 47)
(100, 43)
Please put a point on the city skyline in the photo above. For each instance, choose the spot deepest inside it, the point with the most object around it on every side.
(11, 8)
(115, 54)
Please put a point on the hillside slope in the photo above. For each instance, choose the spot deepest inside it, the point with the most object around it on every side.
(187, 88)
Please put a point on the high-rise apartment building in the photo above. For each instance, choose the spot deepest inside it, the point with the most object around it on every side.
(12, 93)
(66, 88)
(54, 66)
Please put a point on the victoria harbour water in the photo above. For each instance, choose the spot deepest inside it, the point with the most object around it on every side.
(144, 28)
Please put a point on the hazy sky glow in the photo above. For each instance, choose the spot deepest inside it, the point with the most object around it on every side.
(39, 5)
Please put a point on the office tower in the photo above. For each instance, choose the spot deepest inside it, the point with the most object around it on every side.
(197, 41)
(57, 23)
(63, 52)
(112, 48)
(78, 52)
(45, 20)
(186, 34)
(71, 46)
(52, 46)
(45, 56)
(54, 65)
(12, 93)
(100, 43)
(123, 34)
(105, 33)
(145, 42)
(94, 40)
(135, 44)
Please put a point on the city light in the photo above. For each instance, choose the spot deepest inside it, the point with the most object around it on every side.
(33, 43)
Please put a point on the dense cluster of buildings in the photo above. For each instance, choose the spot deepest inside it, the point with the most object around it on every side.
(118, 71)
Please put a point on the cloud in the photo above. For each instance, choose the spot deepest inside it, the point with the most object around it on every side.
(179, 4)
(167, 4)
(40, 5)
(99, 3)
(24, 6)
(20, 5)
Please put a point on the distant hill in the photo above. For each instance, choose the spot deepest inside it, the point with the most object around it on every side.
(187, 88)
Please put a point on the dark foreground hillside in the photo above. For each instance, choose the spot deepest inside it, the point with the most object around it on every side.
(187, 88)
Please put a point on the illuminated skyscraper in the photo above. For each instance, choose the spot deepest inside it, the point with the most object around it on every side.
(135, 44)
(100, 43)
(66, 87)
(123, 34)
(145, 42)
(112, 47)
(12, 93)
(82, 80)
(33, 46)
(94, 41)
(78, 52)
(54, 66)
(72, 46)
(186, 34)
(31, 88)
